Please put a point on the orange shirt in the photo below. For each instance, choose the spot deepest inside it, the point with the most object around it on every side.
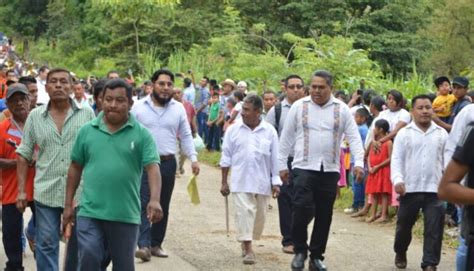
(9, 179)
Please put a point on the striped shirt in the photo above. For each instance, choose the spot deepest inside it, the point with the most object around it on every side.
(54, 155)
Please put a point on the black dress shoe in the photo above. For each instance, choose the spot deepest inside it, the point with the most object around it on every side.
(401, 260)
(317, 265)
(298, 262)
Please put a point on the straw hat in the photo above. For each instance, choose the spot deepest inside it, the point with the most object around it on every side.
(228, 82)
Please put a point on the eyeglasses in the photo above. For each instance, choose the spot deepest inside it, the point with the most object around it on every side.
(163, 84)
(295, 86)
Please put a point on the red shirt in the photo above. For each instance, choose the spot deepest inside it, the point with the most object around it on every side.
(10, 183)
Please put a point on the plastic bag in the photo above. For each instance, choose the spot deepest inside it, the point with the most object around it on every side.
(198, 143)
(193, 190)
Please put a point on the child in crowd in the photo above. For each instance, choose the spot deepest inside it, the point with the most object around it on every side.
(361, 116)
(444, 102)
(215, 113)
(378, 181)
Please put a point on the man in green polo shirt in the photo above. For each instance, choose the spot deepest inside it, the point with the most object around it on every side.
(110, 153)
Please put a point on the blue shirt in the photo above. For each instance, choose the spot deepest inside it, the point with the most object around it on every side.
(202, 97)
(189, 94)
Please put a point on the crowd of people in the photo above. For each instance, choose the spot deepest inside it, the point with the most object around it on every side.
(96, 160)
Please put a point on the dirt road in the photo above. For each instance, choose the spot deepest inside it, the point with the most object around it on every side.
(197, 238)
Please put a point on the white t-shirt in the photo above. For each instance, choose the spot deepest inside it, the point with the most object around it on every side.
(394, 117)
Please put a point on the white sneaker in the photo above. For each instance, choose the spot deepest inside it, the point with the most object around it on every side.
(349, 210)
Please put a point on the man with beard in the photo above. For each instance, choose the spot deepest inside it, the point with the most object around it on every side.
(166, 119)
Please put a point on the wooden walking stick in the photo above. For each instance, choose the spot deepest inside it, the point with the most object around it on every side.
(67, 235)
(227, 215)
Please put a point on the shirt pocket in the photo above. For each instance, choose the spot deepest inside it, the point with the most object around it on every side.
(263, 146)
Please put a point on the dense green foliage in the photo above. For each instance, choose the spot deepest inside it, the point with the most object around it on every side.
(396, 43)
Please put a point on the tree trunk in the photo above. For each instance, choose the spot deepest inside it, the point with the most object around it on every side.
(137, 40)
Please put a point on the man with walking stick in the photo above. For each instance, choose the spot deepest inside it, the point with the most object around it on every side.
(251, 148)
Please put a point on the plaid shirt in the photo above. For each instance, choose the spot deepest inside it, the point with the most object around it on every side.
(55, 148)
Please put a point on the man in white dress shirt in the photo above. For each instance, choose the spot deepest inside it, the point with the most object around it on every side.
(416, 168)
(43, 97)
(251, 148)
(166, 119)
(314, 129)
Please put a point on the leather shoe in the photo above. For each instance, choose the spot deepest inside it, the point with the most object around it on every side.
(158, 252)
(143, 254)
(429, 268)
(298, 262)
(317, 265)
(401, 260)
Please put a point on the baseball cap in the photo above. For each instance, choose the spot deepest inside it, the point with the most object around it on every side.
(16, 88)
(461, 81)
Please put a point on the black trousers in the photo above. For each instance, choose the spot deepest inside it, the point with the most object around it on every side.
(315, 193)
(12, 227)
(285, 208)
(168, 176)
(470, 256)
(433, 217)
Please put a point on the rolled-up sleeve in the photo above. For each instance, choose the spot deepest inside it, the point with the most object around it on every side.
(26, 148)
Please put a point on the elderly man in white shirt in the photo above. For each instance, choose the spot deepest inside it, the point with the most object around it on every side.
(314, 129)
(250, 148)
(416, 168)
(166, 119)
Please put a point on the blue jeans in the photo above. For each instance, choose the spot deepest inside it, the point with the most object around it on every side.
(153, 235)
(358, 189)
(48, 221)
(203, 130)
(92, 234)
(214, 141)
(461, 252)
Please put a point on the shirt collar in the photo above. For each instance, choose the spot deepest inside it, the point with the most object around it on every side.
(149, 101)
(285, 103)
(99, 123)
(45, 108)
(330, 102)
(433, 127)
(259, 126)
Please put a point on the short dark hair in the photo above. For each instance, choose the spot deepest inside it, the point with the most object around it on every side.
(187, 82)
(112, 71)
(382, 124)
(231, 101)
(58, 70)
(397, 96)
(378, 102)
(239, 95)
(215, 94)
(213, 82)
(11, 70)
(160, 72)
(363, 113)
(77, 83)
(98, 87)
(419, 97)
(432, 96)
(119, 83)
(255, 101)
(207, 78)
(269, 92)
(9, 82)
(325, 75)
(43, 68)
(215, 88)
(367, 96)
(27, 80)
(292, 76)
